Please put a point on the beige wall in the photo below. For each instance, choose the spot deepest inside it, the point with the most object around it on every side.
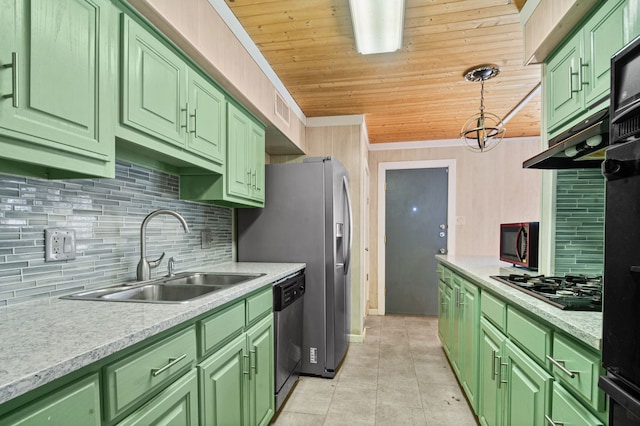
(491, 188)
(348, 144)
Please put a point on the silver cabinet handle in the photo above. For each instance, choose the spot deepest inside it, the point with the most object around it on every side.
(186, 117)
(500, 365)
(249, 178)
(14, 79)
(195, 121)
(493, 365)
(560, 365)
(551, 422)
(255, 359)
(172, 361)
(254, 179)
(247, 359)
(581, 81)
(571, 74)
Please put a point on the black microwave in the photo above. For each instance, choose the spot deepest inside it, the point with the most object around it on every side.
(519, 243)
(624, 107)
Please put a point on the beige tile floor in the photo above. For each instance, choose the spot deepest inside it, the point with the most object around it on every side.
(398, 376)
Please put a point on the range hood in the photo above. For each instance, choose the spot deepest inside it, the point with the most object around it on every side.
(580, 147)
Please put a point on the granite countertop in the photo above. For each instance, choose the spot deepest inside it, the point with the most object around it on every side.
(47, 339)
(584, 326)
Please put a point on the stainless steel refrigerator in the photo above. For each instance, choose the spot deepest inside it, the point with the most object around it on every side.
(307, 218)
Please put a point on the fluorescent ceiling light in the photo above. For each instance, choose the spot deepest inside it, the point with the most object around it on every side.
(377, 25)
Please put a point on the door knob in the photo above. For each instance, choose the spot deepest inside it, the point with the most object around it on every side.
(443, 251)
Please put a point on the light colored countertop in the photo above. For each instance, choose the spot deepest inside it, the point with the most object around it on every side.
(584, 326)
(41, 341)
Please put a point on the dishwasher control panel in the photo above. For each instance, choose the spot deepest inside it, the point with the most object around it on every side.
(288, 291)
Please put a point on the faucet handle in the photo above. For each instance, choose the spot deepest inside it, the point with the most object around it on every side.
(155, 263)
(171, 266)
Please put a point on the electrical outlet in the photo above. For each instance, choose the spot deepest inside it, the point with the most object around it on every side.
(207, 239)
(59, 244)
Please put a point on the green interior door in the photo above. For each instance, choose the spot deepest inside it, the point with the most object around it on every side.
(416, 229)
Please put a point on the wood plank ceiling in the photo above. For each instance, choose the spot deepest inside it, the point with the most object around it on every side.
(415, 94)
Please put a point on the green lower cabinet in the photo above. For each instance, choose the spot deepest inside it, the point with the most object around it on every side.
(491, 390)
(222, 386)
(176, 406)
(470, 325)
(237, 382)
(444, 316)
(77, 404)
(528, 388)
(567, 411)
(261, 379)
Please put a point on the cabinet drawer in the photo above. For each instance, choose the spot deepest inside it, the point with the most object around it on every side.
(582, 364)
(220, 327)
(566, 410)
(494, 310)
(177, 404)
(533, 337)
(75, 405)
(259, 304)
(131, 379)
(444, 274)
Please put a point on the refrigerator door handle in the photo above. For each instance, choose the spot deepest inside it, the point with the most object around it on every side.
(347, 258)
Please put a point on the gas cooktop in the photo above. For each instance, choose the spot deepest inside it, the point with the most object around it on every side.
(571, 292)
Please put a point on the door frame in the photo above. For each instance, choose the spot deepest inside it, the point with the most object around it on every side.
(451, 212)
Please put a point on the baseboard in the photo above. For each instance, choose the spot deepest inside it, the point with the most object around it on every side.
(358, 338)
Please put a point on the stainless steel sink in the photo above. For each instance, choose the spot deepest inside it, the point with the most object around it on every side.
(181, 288)
(207, 279)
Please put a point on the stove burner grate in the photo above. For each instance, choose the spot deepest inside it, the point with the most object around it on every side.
(571, 292)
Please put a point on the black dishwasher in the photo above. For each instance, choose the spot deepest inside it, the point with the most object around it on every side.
(287, 317)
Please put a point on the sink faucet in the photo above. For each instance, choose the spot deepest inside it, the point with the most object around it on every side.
(144, 265)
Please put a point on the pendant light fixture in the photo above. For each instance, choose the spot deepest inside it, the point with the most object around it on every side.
(484, 130)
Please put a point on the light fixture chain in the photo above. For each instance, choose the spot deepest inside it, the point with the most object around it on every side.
(482, 95)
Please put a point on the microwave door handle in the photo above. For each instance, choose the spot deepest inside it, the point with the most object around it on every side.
(521, 233)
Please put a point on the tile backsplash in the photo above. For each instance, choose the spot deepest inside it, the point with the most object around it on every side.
(106, 215)
(579, 222)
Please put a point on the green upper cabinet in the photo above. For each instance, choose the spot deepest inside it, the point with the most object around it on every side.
(169, 113)
(246, 156)
(206, 125)
(242, 185)
(57, 88)
(577, 75)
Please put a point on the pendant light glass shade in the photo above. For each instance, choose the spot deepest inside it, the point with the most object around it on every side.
(483, 131)
(377, 25)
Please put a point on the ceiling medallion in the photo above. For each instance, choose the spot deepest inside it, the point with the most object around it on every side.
(483, 130)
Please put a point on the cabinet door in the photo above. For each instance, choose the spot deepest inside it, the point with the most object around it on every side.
(491, 390)
(631, 21)
(207, 124)
(153, 86)
(238, 174)
(469, 334)
(177, 405)
(223, 392)
(603, 36)
(75, 405)
(261, 379)
(567, 411)
(444, 316)
(563, 85)
(528, 389)
(455, 319)
(58, 73)
(257, 162)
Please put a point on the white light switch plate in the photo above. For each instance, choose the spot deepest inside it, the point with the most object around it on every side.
(59, 244)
